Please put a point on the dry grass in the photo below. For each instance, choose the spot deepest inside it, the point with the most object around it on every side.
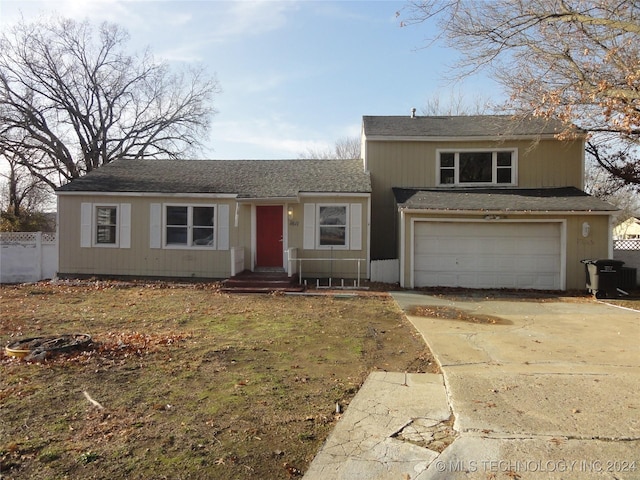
(194, 383)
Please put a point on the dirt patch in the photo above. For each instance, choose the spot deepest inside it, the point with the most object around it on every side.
(452, 313)
(189, 380)
(473, 295)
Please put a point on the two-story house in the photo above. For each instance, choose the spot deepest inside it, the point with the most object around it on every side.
(483, 202)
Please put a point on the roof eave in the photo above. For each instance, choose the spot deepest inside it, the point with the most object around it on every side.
(504, 212)
(335, 194)
(266, 200)
(470, 138)
(145, 194)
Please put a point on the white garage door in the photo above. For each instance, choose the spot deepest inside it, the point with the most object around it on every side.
(487, 255)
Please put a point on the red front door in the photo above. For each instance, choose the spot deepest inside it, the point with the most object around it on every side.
(269, 236)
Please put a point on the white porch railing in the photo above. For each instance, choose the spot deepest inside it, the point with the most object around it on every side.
(359, 261)
(292, 266)
(237, 260)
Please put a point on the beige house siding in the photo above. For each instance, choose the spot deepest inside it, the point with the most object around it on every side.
(543, 163)
(143, 261)
(596, 245)
(576, 248)
(139, 259)
(339, 262)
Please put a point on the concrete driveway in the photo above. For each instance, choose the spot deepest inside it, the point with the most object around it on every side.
(551, 390)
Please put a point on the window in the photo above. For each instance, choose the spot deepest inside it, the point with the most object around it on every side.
(332, 224)
(106, 225)
(190, 225)
(477, 167)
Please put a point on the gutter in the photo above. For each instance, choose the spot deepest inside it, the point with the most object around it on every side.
(475, 138)
(506, 212)
(147, 194)
(265, 200)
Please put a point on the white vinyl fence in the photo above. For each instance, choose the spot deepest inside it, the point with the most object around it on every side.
(628, 251)
(27, 256)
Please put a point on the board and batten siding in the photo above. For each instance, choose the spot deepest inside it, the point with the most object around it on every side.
(543, 163)
(134, 255)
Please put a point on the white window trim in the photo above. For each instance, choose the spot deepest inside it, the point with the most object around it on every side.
(89, 225)
(189, 246)
(494, 167)
(94, 225)
(346, 227)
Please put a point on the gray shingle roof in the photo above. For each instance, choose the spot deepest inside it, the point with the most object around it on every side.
(246, 178)
(460, 126)
(565, 199)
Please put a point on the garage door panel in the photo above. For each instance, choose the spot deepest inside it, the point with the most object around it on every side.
(487, 255)
(537, 263)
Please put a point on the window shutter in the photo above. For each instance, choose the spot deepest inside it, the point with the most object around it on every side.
(223, 227)
(85, 225)
(125, 225)
(355, 227)
(155, 230)
(309, 240)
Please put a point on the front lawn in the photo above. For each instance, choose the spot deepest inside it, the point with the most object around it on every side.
(193, 383)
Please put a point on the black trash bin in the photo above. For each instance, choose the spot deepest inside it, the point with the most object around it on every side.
(603, 277)
(628, 278)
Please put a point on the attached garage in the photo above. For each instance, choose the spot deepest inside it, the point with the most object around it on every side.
(499, 238)
(488, 254)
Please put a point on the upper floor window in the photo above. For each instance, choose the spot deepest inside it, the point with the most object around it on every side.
(189, 225)
(477, 167)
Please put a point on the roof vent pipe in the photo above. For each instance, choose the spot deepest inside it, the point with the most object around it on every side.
(413, 112)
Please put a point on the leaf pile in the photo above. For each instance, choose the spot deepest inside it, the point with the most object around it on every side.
(113, 345)
(451, 313)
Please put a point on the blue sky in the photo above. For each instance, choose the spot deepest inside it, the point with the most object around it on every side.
(294, 75)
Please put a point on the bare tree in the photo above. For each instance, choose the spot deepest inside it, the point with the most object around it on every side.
(576, 60)
(23, 199)
(23, 192)
(72, 99)
(455, 103)
(599, 183)
(345, 148)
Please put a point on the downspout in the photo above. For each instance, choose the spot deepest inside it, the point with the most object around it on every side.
(369, 237)
(583, 167)
(402, 247)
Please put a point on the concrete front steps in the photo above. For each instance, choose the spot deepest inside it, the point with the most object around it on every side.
(261, 282)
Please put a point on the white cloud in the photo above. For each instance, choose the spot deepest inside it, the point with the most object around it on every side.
(183, 53)
(179, 31)
(252, 18)
(273, 138)
(98, 10)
